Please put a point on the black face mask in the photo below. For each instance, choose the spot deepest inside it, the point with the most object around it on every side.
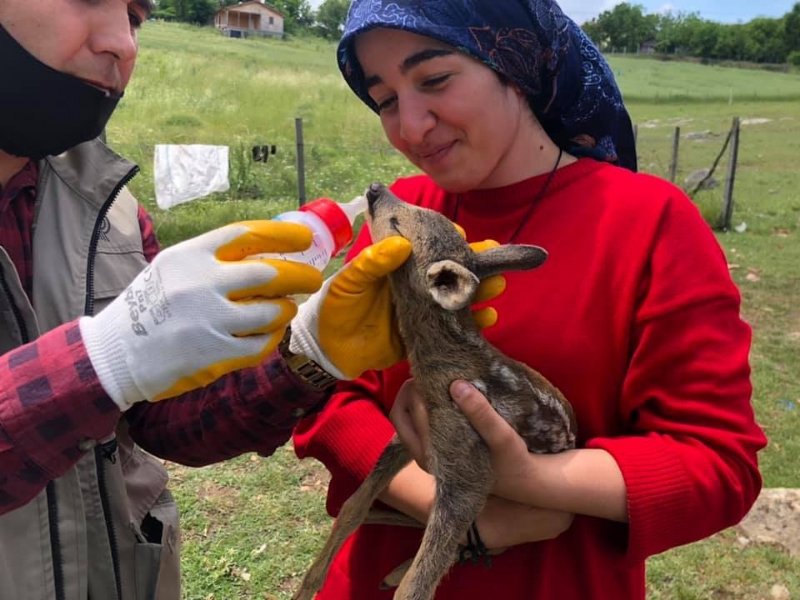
(43, 111)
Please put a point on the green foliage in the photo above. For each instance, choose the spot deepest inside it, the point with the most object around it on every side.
(791, 29)
(330, 18)
(794, 58)
(199, 12)
(625, 28)
(298, 15)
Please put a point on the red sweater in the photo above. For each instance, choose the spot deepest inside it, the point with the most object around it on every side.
(635, 318)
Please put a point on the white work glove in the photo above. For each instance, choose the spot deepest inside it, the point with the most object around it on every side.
(200, 310)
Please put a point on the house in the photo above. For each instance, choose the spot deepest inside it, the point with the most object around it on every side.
(251, 17)
(648, 47)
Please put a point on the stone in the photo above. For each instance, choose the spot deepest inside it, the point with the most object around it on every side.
(695, 177)
(780, 592)
(775, 519)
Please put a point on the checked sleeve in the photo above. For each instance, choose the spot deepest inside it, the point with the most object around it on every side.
(51, 408)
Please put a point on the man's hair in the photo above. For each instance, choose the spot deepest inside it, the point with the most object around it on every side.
(148, 5)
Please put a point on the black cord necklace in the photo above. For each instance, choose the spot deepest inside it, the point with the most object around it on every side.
(533, 203)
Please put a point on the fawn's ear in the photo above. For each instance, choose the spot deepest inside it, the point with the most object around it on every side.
(511, 257)
(451, 285)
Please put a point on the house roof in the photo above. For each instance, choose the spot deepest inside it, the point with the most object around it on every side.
(260, 3)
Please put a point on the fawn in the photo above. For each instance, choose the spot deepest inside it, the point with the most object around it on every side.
(432, 293)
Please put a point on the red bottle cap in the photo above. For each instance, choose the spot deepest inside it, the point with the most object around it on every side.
(335, 218)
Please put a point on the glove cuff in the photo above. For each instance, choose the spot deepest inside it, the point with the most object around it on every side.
(302, 340)
(107, 354)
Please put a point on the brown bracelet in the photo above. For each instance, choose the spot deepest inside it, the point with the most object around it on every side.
(305, 369)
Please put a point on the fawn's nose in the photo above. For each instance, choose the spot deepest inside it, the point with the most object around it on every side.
(374, 192)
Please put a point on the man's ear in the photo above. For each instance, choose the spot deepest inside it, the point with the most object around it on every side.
(451, 285)
(511, 257)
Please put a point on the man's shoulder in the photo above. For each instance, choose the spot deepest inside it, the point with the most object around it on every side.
(91, 169)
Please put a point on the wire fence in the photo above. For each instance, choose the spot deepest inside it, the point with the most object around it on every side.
(268, 176)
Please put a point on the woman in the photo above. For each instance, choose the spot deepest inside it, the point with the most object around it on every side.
(506, 108)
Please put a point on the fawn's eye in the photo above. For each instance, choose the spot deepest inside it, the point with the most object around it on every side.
(394, 223)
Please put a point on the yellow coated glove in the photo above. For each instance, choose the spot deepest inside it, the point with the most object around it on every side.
(348, 327)
(201, 309)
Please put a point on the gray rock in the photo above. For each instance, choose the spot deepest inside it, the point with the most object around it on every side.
(700, 135)
(775, 519)
(695, 177)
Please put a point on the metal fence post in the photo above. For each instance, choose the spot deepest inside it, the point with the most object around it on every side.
(301, 161)
(731, 179)
(673, 166)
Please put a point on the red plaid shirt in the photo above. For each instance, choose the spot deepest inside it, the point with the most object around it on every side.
(51, 401)
(16, 215)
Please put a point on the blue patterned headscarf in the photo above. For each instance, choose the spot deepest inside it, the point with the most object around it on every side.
(533, 44)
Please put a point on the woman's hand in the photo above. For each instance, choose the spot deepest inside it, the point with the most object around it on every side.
(511, 460)
(504, 523)
(510, 455)
(348, 326)
(586, 481)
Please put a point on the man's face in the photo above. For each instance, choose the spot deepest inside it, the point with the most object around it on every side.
(94, 40)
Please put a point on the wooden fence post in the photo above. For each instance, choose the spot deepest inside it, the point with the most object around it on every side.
(727, 213)
(301, 161)
(673, 166)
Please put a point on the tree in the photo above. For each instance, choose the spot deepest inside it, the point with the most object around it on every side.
(703, 38)
(767, 34)
(297, 14)
(201, 12)
(624, 28)
(791, 29)
(733, 43)
(187, 11)
(331, 17)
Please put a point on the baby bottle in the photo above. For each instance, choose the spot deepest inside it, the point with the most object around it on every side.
(330, 222)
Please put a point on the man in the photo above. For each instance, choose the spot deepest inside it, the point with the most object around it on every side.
(89, 330)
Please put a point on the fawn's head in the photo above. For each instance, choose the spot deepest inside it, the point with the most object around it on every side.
(442, 266)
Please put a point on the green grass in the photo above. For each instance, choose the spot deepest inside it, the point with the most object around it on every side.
(252, 525)
(656, 81)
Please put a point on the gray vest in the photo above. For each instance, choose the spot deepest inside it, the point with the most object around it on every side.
(107, 529)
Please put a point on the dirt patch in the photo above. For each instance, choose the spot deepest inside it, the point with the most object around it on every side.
(774, 519)
(316, 481)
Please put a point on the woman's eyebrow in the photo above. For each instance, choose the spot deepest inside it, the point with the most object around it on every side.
(411, 62)
(421, 56)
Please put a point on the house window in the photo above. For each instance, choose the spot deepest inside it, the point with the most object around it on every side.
(272, 20)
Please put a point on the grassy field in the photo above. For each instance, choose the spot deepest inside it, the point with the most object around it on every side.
(252, 525)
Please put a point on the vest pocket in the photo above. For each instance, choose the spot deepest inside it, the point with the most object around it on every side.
(147, 558)
(157, 559)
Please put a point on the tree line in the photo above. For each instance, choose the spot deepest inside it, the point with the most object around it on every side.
(626, 28)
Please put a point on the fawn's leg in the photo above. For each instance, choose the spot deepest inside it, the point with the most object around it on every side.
(458, 501)
(353, 513)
